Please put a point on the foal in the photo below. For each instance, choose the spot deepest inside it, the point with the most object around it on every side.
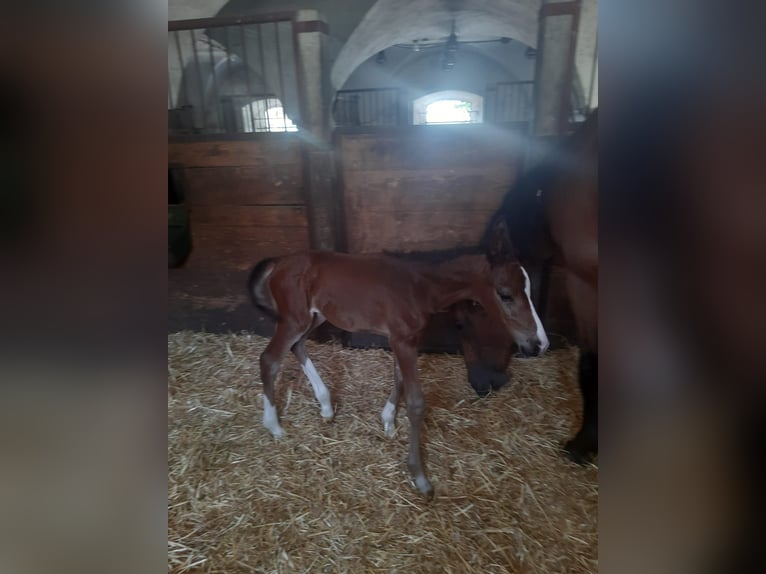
(387, 296)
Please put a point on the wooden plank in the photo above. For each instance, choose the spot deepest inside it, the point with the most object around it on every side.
(274, 184)
(284, 150)
(426, 190)
(249, 215)
(225, 234)
(439, 146)
(375, 231)
(216, 248)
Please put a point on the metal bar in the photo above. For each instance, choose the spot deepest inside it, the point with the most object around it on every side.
(183, 70)
(216, 98)
(261, 55)
(247, 71)
(221, 22)
(279, 71)
(506, 100)
(593, 74)
(569, 74)
(300, 80)
(170, 88)
(199, 79)
(228, 62)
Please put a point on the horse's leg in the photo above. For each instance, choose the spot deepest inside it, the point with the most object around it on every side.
(285, 336)
(584, 446)
(320, 390)
(389, 411)
(406, 353)
(584, 301)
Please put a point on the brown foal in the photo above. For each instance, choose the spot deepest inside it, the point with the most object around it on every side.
(389, 296)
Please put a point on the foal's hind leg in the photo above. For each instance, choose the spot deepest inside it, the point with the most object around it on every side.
(320, 390)
(285, 336)
(389, 411)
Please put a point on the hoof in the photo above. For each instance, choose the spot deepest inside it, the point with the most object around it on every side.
(277, 432)
(425, 488)
(389, 429)
(328, 416)
(581, 450)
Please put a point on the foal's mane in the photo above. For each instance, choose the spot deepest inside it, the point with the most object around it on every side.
(435, 256)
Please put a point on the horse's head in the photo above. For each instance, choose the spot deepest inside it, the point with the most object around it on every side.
(487, 347)
(513, 293)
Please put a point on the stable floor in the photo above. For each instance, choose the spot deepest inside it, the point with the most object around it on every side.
(336, 497)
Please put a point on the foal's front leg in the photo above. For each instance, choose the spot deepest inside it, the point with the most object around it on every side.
(407, 356)
(320, 389)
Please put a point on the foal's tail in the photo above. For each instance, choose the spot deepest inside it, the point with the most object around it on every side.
(258, 287)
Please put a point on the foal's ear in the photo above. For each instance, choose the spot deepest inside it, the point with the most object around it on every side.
(498, 242)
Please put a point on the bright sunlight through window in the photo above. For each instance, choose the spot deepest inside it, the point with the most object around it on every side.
(448, 107)
(448, 112)
(266, 115)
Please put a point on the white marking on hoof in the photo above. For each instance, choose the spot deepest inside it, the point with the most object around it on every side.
(541, 334)
(270, 419)
(328, 414)
(424, 485)
(320, 390)
(389, 419)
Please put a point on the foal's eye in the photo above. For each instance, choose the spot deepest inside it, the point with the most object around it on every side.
(505, 298)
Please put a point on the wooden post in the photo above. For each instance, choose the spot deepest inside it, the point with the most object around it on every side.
(310, 35)
(554, 70)
(554, 74)
(321, 202)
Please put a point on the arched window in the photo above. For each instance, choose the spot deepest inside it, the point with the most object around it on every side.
(266, 115)
(448, 107)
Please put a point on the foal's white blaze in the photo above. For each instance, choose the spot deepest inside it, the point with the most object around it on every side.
(320, 390)
(389, 418)
(270, 420)
(544, 343)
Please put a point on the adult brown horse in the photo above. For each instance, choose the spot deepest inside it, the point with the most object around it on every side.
(388, 296)
(552, 212)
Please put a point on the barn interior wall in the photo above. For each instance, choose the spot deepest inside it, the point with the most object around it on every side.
(246, 202)
(420, 73)
(425, 17)
(257, 200)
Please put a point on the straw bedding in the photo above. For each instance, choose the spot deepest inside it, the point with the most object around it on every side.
(336, 497)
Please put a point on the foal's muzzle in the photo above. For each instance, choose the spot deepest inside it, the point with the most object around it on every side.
(532, 347)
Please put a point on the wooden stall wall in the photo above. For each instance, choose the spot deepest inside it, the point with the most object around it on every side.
(421, 188)
(245, 196)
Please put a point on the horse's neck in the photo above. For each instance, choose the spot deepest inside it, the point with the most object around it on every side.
(457, 280)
